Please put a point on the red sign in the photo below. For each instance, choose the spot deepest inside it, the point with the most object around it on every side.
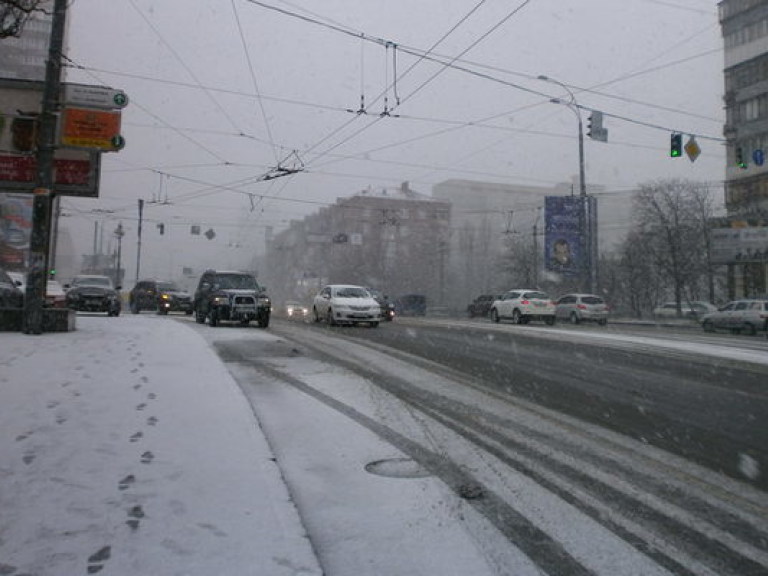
(23, 169)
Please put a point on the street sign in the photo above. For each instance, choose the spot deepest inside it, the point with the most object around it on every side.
(758, 156)
(692, 149)
(91, 128)
(94, 96)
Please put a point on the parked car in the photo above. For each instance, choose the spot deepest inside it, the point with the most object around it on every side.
(233, 296)
(93, 293)
(11, 295)
(522, 306)
(161, 295)
(411, 305)
(578, 308)
(346, 304)
(750, 316)
(55, 296)
(694, 309)
(481, 305)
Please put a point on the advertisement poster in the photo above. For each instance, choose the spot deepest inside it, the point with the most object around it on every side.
(15, 228)
(562, 239)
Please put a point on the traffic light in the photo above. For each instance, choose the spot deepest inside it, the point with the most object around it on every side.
(595, 128)
(740, 162)
(676, 145)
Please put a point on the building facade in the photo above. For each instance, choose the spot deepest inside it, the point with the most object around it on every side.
(743, 234)
(395, 241)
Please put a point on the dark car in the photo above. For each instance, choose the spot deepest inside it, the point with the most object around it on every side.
(93, 293)
(411, 305)
(481, 305)
(11, 295)
(161, 295)
(231, 296)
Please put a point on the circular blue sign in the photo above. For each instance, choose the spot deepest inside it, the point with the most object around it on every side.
(758, 157)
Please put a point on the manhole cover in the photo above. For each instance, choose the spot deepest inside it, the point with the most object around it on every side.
(397, 468)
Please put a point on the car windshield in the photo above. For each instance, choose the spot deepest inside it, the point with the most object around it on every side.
(101, 281)
(560, 206)
(352, 292)
(236, 282)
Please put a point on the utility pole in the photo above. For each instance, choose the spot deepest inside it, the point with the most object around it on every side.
(138, 247)
(41, 205)
(119, 233)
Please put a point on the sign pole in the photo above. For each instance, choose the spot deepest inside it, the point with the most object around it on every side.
(41, 206)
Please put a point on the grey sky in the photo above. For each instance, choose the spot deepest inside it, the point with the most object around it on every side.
(196, 128)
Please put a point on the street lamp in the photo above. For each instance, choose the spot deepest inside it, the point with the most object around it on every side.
(119, 233)
(588, 233)
(573, 105)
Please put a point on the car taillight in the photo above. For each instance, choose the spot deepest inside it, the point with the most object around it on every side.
(581, 306)
(525, 302)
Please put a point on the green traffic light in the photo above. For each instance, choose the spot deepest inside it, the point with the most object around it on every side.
(676, 145)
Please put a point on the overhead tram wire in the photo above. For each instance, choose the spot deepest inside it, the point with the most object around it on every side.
(426, 55)
(255, 82)
(181, 61)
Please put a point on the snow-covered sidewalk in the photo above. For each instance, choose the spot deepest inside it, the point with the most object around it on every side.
(130, 450)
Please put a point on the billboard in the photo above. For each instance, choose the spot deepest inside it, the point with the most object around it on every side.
(733, 245)
(563, 247)
(75, 172)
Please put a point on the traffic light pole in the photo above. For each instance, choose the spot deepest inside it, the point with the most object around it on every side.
(41, 204)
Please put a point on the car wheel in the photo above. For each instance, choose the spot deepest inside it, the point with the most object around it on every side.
(213, 318)
(602, 322)
(550, 320)
(329, 318)
(188, 312)
(263, 322)
(135, 307)
(162, 311)
(315, 314)
(199, 317)
(574, 318)
(373, 324)
(750, 329)
(495, 315)
(516, 317)
(245, 322)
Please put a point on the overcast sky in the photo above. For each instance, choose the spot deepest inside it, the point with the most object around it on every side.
(223, 93)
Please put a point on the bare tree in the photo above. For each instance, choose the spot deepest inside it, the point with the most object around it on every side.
(15, 13)
(672, 220)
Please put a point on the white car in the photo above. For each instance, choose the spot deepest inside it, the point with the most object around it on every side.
(522, 306)
(749, 316)
(346, 304)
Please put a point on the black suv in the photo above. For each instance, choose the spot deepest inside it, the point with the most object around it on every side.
(161, 295)
(481, 305)
(93, 293)
(233, 296)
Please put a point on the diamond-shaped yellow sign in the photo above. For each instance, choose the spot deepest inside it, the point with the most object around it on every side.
(692, 149)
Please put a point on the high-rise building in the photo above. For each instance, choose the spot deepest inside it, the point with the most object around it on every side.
(742, 243)
(24, 58)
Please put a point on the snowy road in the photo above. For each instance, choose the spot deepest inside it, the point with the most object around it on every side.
(477, 480)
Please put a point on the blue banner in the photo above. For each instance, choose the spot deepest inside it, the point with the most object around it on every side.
(562, 239)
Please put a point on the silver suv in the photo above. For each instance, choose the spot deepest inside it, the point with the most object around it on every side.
(748, 316)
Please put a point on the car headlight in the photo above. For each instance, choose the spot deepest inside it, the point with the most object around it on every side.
(165, 296)
(221, 300)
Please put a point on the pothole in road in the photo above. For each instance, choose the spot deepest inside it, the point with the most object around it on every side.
(397, 468)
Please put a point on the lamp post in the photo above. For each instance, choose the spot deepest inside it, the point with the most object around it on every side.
(119, 233)
(586, 232)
